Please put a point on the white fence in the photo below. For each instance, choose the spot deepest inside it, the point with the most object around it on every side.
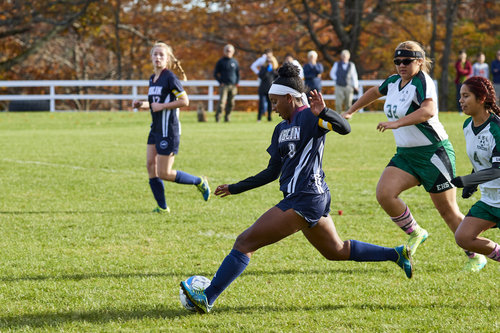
(210, 97)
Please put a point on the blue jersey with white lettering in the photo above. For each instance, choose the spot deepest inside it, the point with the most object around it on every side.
(299, 146)
(165, 89)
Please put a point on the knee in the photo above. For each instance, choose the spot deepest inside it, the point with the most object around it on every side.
(383, 196)
(242, 244)
(167, 175)
(151, 166)
(340, 251)
(462, 239)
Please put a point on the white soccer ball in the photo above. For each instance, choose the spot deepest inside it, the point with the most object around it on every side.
(194, 282)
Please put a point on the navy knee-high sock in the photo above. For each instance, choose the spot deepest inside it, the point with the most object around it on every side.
(361, 251)
(233, 265)
(185, 178)
(158, 190)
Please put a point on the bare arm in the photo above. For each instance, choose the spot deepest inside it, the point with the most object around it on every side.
(183, 100)
(367, 98)
(426, 111)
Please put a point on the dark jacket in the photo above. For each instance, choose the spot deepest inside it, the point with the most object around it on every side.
(266, 77)
(227, 71)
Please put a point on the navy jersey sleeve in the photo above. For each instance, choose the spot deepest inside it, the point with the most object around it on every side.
(267, 175)
(335, 122)
(175, 86)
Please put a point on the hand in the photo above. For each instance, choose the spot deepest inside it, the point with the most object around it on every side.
(457, 181)
(157, 107)
(387, 125)
(346, 115)
(468, 191)
(222, 190)
(136, 104)
(316, 102)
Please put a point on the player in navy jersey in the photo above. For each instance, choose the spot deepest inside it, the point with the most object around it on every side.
(482, 137)
(165, 96)
(424, 156)
(296, 154)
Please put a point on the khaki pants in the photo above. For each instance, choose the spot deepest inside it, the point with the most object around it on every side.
(227, 92)
(343, 98)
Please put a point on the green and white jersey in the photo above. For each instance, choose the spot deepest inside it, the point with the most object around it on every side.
(401, 101)
(483, 144)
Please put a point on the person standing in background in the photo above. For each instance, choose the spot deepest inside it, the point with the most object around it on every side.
(345, 78)
(289, 58)
(464, 69)
(480, 67)
(312, 72)
(227, 73)
(495, 73)
(257, 64)
(267, 73)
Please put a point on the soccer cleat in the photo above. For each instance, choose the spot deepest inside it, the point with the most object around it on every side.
(204, 188)
(404, 259)
(417, 237)
(475, 264)
(197, 297)
(161, 210)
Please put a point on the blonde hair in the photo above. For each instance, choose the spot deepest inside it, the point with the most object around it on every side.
(172, 61)
(414, 46)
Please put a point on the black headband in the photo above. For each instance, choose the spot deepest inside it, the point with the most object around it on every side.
(408, 53)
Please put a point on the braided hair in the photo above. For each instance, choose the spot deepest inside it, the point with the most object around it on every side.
(483, 90)
(172, 62)
(288, 75)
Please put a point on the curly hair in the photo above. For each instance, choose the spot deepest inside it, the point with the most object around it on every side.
(288, 75)
(483, 89)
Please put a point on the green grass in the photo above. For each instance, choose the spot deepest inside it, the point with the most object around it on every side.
(80, 250)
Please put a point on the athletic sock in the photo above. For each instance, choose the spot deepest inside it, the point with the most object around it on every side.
(406, 221)
(361, 251)
(470, 254)
(158, 190)
(185, 178)
(495, 255)
(233, 265)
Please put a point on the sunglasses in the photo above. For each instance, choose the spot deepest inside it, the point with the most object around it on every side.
(405, 62)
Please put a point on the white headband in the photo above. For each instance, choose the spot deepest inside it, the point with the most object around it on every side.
(279, 89)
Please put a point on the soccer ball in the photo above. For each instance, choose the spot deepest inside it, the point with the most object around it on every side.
(194, 282)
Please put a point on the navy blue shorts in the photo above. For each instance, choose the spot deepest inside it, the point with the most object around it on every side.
(310, 206)
(164, 145)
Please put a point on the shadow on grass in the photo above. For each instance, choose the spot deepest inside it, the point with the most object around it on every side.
(44, 319)
(52, 319)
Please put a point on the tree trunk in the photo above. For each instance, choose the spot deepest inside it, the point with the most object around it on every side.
(451, 15)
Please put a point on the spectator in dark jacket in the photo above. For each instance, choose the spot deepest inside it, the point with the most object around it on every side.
(267, 73)
(227, 73)
(312, 72)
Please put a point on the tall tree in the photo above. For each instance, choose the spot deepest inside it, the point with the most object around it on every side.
(451, 16)
(29, 25)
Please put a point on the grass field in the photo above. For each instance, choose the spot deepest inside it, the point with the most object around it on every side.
(80, 250)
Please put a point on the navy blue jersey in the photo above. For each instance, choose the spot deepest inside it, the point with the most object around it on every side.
(298, 145)
(165, 89)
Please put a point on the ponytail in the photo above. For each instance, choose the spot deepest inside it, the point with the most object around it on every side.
(172, 62)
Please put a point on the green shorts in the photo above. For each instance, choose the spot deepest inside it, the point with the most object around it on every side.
(486, 212)
(433, 165)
